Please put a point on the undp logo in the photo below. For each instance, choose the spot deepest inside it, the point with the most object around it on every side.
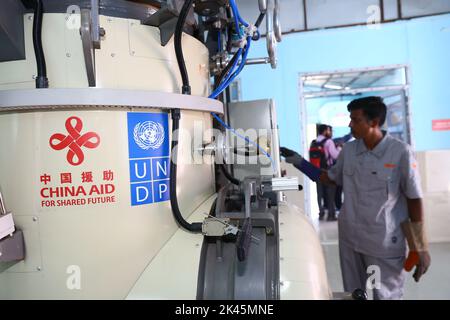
(148, 146)
(148, 135)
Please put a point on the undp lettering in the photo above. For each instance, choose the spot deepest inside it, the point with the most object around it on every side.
(148, 147)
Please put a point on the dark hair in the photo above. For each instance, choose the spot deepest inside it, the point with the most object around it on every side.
(372, 107)
(322, 128)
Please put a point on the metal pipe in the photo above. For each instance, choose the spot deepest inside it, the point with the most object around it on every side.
(257, 61)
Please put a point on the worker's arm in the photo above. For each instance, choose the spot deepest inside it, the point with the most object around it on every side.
(324, 178)
(415, 210)
(414, 230)
(314, 173)
(414, 227)
(301, 164)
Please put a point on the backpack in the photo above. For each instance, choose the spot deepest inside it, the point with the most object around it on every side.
(317, 154)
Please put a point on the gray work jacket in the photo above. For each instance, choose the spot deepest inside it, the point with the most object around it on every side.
(376, 184)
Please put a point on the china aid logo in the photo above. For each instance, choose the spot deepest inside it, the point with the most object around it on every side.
(75, 140)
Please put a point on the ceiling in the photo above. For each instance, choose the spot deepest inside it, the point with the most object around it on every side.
(351, 80)
(354, 80)
(307, 15)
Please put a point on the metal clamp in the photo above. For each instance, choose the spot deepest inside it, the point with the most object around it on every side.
(88, 48)
(96, 30)
(90, 32)
(214, 227)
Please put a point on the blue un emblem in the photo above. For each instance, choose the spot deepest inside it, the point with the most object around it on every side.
(148, 147)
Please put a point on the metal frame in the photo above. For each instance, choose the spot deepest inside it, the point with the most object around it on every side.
(88, 45)
(303, 111)
(304, 145)
(352, 91)
(400, 17)
(354, 70)
(13, 100)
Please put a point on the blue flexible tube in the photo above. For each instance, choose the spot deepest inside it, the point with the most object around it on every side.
(225, 84)
(235, 9)
(236, 17)
(232, 75)
(244, 138)
(219, 89)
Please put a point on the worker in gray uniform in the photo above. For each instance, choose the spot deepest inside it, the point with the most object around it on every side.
(382, 204)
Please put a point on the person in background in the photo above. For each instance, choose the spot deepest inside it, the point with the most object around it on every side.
(324, 148)
(382, 209)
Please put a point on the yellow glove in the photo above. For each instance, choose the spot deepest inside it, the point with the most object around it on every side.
(418, 248)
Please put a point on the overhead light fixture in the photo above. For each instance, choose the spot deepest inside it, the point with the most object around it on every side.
(333, 87)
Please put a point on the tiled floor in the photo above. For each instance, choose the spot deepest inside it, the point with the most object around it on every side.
(434, 285)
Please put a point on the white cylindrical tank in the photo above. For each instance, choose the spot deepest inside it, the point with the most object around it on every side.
(302, 266)
(131, 57)
(85, 170)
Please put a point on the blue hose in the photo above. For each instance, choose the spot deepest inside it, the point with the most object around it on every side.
(232, 75)
(236, 16)
(219, 89)
(224, 85)
(230, 79)
(244, 138)
(235, 10)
